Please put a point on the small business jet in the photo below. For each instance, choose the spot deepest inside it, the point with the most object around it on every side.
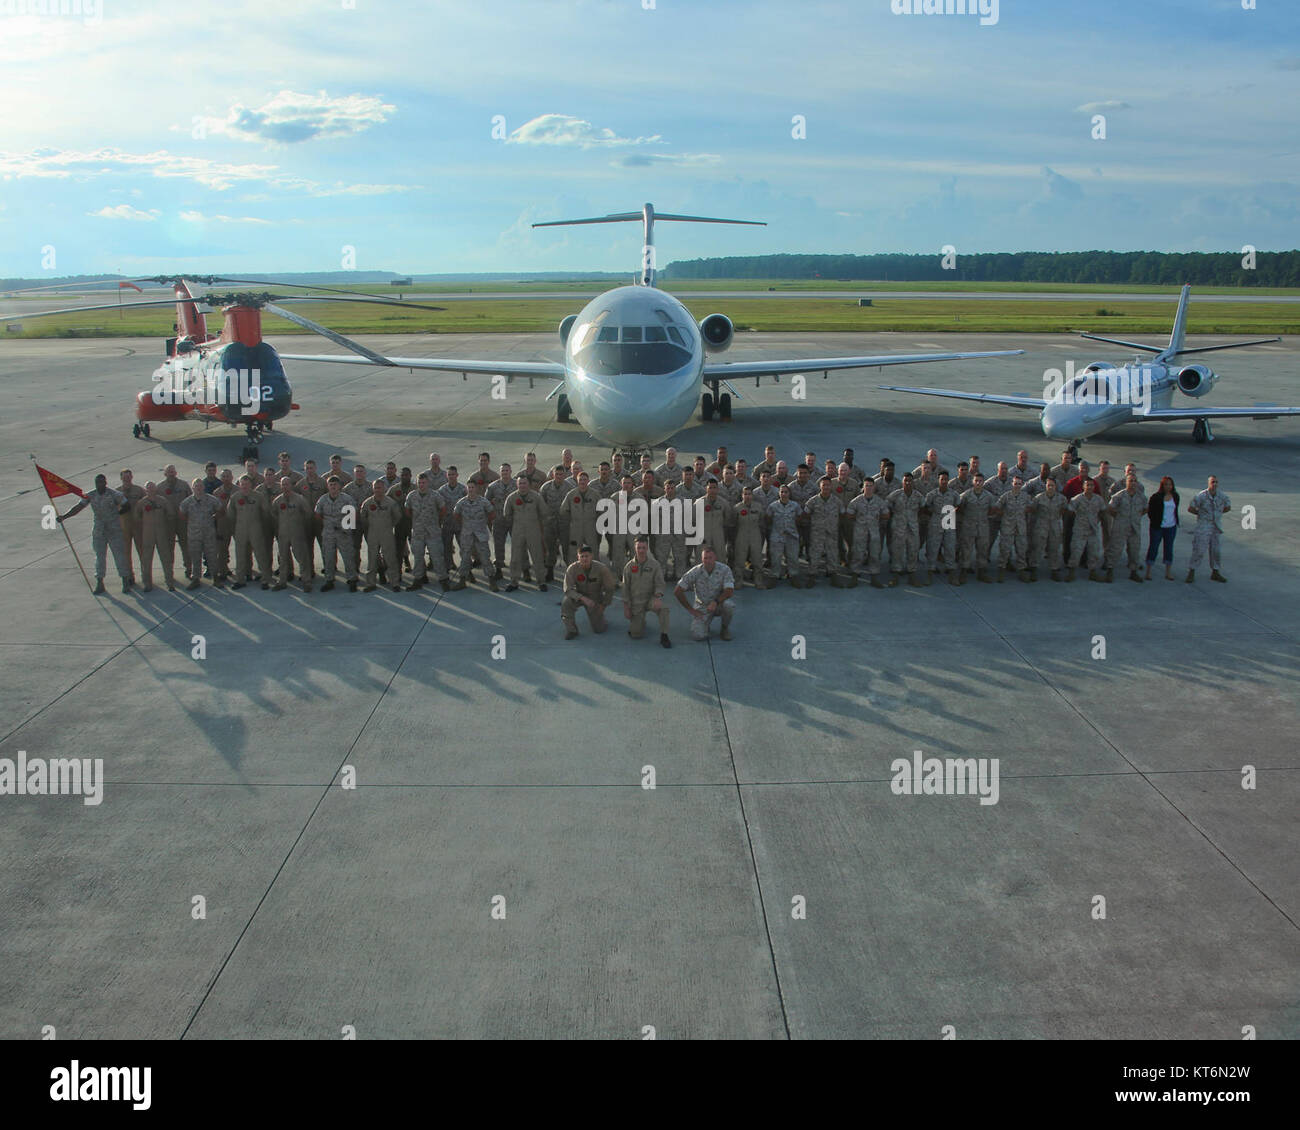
(635, 361)
(1103, 396)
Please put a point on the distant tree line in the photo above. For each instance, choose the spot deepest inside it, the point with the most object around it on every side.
(1272, 268)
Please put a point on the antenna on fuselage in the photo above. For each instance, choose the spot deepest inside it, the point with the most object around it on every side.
(647, 216)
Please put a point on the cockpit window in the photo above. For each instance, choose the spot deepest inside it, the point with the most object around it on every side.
(608, 333)
(631, 334)
(655, 333)
(675, 334)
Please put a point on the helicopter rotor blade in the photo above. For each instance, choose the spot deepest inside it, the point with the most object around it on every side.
(337, 338)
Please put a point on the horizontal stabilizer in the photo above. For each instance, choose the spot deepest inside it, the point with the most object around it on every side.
(1230, 345)
(1126, 344)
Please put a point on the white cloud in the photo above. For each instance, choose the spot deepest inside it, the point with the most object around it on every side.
(564, 129)
(1094, 107)
(678, 160)
(216, 175)
(125, 212)
(195, 217)
(289, 118)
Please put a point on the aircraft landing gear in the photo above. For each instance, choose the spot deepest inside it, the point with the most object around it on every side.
(1073, 448)
(139, 430)
(254, 433)
(1201, 432)
(715, 403)
(563, 413)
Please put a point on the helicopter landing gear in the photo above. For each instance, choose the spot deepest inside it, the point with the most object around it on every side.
(140, 430)
(1201, 432)
(254, 432)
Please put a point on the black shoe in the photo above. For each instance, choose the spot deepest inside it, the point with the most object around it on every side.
(397, 588)
(265, 585)
(238, 585)
(327, 586)
(512, 587)
(446, 585)
(664, 641)
(571, 634)
(415, 584)
(194, 584)
(352, 586)
(542, 587)
(368, 588)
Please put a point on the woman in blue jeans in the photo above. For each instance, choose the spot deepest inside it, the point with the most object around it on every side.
(1162, 513)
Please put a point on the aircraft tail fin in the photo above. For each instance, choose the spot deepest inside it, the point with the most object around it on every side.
(1180, 323)
(647, 216)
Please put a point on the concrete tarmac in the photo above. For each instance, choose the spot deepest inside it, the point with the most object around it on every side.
(499, 870)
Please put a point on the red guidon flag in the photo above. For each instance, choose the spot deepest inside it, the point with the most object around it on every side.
(56, 486)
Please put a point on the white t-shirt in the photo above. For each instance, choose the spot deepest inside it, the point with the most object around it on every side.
(1170, 517)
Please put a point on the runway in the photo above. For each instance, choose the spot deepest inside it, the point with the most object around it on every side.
(499, 870)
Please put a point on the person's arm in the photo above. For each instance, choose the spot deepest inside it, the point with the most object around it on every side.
(75, 510)
(680, 593)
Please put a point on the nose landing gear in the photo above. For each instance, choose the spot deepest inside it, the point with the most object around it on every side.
(716, 403)
(140, 430)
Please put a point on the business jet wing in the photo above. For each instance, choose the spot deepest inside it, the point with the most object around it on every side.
(983, 397)
(1259, 412)
(735, 369)
(444, 364)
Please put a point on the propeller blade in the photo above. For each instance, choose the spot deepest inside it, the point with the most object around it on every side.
(337, 338)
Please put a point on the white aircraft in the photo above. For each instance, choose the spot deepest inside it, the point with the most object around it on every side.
(634, 358)
(1103, 396)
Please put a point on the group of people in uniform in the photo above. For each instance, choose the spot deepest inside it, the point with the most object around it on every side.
(763, 523)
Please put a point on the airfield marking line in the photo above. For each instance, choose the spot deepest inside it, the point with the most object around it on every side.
(749, 840)
(1141, 773)
(757, 784)
(130, 643)
(325, 792)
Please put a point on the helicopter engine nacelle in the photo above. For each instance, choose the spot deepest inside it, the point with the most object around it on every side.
(717, 332)
(566, 327)
(1196, 380)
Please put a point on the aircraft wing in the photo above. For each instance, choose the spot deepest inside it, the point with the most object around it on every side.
(735, 369)
(444, 364)
(982, 397)
(1259, 412)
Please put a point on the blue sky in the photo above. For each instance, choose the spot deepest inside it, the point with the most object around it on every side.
(149, 137)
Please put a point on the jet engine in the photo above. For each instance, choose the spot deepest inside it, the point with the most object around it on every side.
(1196, 380)
(566, 328)
(717, 332)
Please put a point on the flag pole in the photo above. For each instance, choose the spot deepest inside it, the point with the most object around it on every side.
(63, 527)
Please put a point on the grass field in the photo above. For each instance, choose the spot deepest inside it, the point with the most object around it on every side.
(525, 315)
